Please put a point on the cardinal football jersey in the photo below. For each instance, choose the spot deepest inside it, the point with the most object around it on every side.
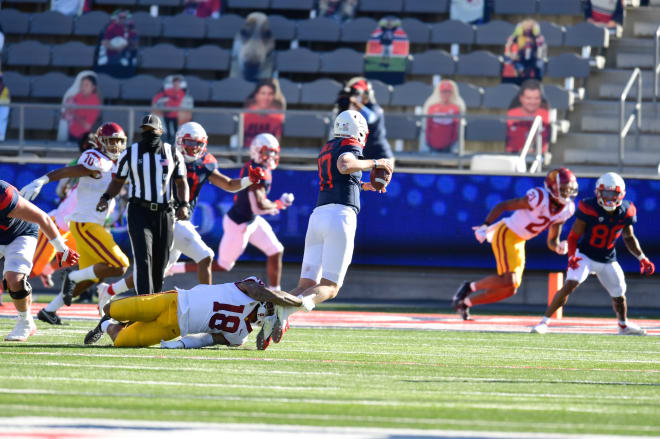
(90, 189)
(216, 309)
(529, 223)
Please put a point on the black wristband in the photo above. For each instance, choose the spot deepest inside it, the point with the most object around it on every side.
(106, 196)
(183, 204)
(487, 223)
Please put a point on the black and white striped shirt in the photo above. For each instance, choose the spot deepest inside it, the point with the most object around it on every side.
(151, 172)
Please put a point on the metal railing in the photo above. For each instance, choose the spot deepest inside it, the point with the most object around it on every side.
(636, 116)
(656, 64)
(535, 133)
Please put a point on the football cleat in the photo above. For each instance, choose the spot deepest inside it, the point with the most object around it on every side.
(282, 322)
(265, 334)
(460, 295)
(95, 334)
(541, 328)
(67, 288)
(463, 310)
(104, 296)
(23, 329)
(49, 317)
(631, 329)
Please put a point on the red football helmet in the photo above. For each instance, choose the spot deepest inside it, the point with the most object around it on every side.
(562, 185)
(111, 139)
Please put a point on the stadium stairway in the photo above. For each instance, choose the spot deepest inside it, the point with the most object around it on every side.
(593, 143)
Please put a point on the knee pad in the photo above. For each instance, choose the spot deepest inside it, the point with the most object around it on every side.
(25, 291)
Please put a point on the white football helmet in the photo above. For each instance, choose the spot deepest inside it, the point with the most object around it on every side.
(352, 124)
(265, 149)
(191, 141)
(610, 191)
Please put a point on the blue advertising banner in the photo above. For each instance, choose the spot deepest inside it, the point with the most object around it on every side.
(422, 220)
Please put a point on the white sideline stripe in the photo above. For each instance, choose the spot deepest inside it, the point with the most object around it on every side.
(383, 433)
(539, 407)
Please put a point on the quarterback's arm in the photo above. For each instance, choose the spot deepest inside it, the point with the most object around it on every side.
(29, 212)
(228, 184)
(348, 163)
(259, 203)
(263, 294)
(632, 244)
(504, 206)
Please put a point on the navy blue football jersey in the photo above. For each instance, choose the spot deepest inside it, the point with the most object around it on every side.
(335, 187)
(603, 228)
(198, 174)
(12, 228)
(241, 211)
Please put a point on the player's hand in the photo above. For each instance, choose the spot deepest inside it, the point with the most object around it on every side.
(67, 258)
(102, 205)
(308, 302)
(31, 190)
(287, 199)
(385, 164)
(367, 186)
(562, 248)
(574, 262)
(174, 344)
(480, 232)
(646, 267)
(183, 213)
(256, 174)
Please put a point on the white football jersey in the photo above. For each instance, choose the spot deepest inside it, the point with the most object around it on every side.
(216, 309)
(90, 189)
(529, 223)
(64, 210)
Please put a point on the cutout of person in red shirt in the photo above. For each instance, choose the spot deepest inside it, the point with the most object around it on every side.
(77, 122)
(529, 102)
(266, 96)
(441, 132)
(173, 94)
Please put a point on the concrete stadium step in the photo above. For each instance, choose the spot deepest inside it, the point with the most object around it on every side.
(609, 84)
(632, 60)
(606, 158)
(596, 142)
(645, 21)
(609, 124)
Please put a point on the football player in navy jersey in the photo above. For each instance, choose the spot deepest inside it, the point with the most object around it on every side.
(599, 223)
(332, 224)
(244, 223)
(18, 239)
(202, 167)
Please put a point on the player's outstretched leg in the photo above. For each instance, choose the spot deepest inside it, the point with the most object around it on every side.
(458, 301)
(95, 334)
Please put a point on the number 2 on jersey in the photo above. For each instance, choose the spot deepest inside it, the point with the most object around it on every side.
(225, 322)
(537, 228)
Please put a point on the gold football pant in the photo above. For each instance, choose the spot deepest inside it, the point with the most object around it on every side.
(153, 317)
(509, 251)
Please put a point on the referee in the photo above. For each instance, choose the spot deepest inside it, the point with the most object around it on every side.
(151, 165)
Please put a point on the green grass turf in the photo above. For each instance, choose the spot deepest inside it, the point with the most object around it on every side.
(345, 377)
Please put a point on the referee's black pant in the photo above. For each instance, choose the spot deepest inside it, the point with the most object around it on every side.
(151, 233)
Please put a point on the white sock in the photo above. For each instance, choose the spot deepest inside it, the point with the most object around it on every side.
(84, 274)
(276, 288)
(55, 304)
(119, 286)
(546, 320)
(23, 315)
(623, 323)
(104, 325)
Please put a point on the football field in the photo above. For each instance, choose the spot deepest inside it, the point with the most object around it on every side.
(340, 369)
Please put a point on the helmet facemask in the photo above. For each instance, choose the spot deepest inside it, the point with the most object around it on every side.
(192, 149)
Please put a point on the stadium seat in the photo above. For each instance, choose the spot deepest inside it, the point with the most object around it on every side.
(140, 88)
(433, 62)
(146, 26)
(118, 116)
(162, 56)
(567, 65)
(224, 28)
(402, 127)
(91, 23)
(208, 57)
(485, 130)
(342, 60)
(223, 124)
(73, 54)
(165, 3)
(560, 7)
(558, 97)
(290, 90)
(388, 6)
(358, 30)
(494, 33)
(108, 86)
(231, 90)
(52, 85)
(28, 53)
(51, 23)
(304, 5)
(184, 26)
(452, 31)
(248, 4)
(199, 89)
(14, 22)
(323, 91)
(500, 96)
(552, 33)
(515, 7)
(479, 63)
(425, 6)
(30, 1)
(115, 2)
(282, 28)
(587, 34)
(299, 60)
(410, 94)
(19, 85)
(41, 119)
(319, 29)
(418, 32)
(305, 125)
(471, 94)
(382, 92)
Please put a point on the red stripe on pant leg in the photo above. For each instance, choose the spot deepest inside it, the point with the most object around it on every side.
(498, 248)
(108, 252)
(90, 245)
(506, 260)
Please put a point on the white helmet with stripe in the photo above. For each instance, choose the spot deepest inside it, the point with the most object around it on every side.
(351, 124)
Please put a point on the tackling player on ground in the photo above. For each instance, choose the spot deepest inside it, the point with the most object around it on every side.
(331, 230)
(591, 249)
(542, 207)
